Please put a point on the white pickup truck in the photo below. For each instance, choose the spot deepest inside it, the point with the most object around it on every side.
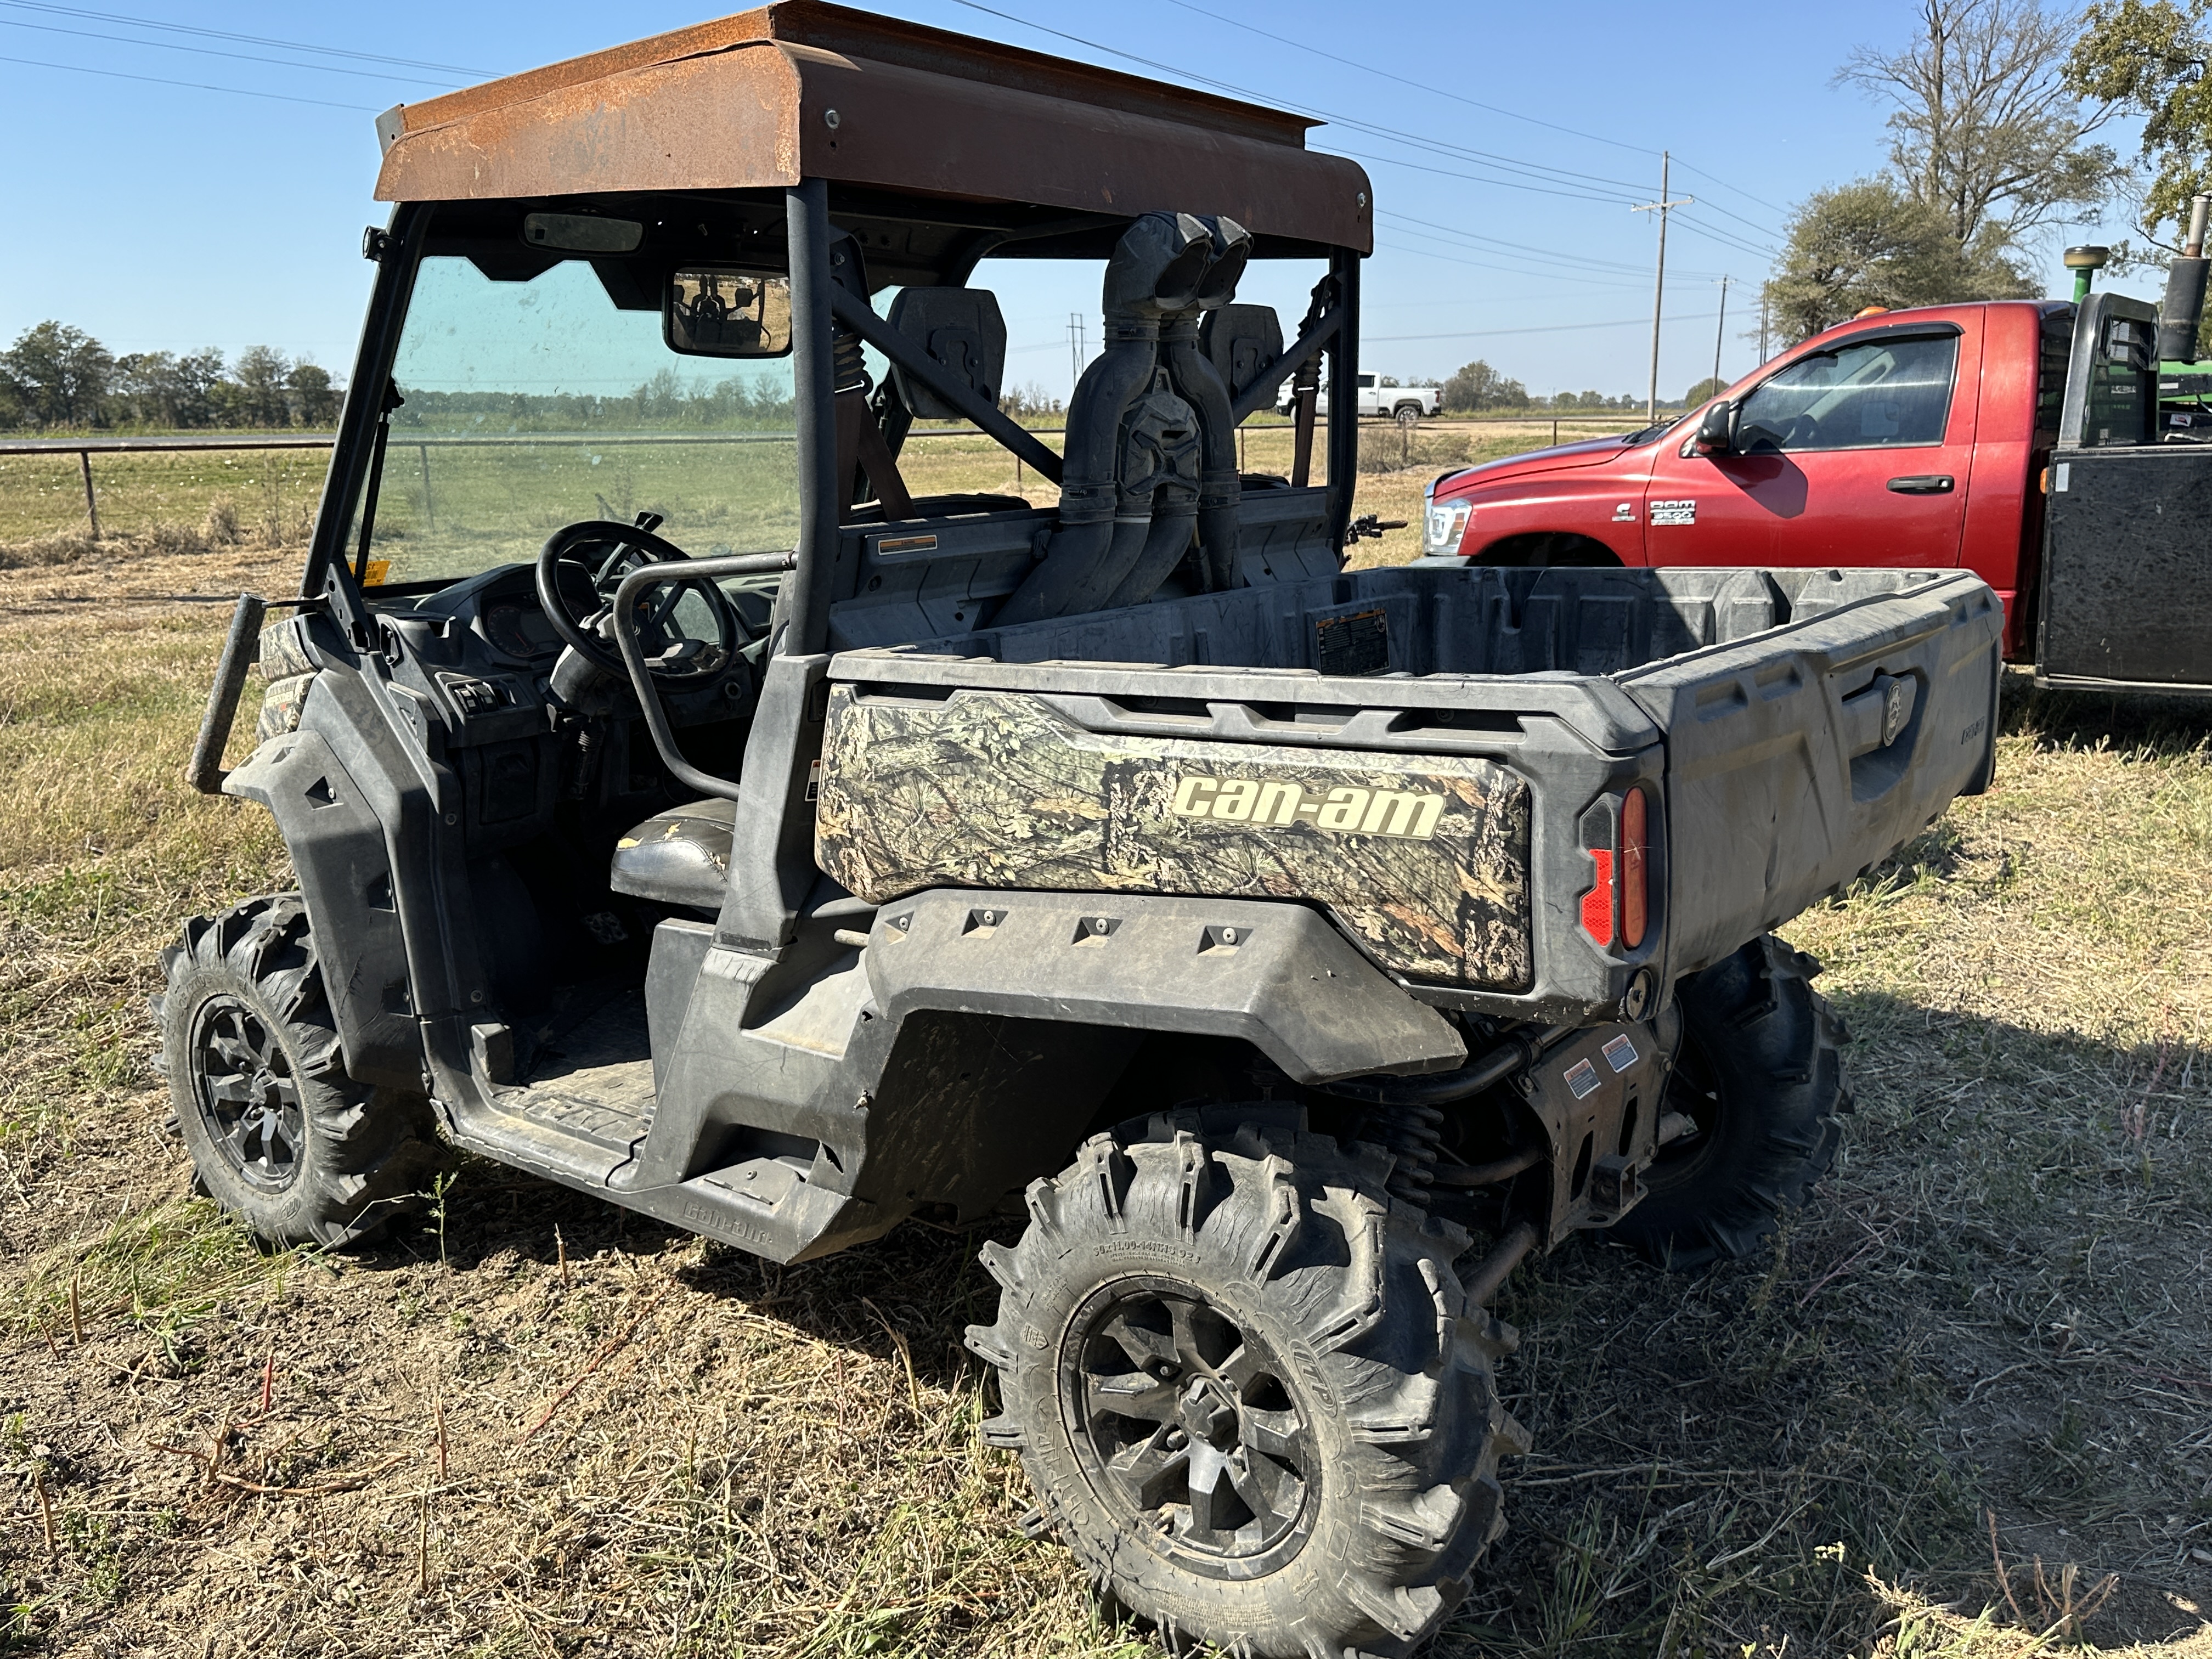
(1402, 404)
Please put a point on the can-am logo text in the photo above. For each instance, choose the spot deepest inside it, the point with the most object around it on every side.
(1347, 810)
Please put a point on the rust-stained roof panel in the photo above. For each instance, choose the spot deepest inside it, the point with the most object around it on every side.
(746, 102)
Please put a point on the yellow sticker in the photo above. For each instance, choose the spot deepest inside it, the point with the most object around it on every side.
(378, 569)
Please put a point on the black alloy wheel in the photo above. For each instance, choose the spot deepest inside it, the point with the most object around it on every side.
(1183, 1424)
(249, 1094)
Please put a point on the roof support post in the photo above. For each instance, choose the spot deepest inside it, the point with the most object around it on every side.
(806, 593)
(1343, 397)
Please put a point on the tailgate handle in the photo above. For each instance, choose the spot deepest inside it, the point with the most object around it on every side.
(1924, 484)
(1877, 716)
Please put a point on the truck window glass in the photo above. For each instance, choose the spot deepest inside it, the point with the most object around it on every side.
(1885, 393)
(529, 405)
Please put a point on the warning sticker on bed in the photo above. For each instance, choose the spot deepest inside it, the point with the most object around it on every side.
(1582, 1077)
(1620, 1053)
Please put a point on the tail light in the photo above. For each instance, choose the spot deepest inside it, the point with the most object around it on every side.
(1619, 903)
(1635, 858)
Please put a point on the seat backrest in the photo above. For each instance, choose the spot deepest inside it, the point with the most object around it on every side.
(1243, 341)
(961, 329)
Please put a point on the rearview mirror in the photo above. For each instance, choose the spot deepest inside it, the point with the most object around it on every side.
(1717, 429)
(581, 233)
(727, 313)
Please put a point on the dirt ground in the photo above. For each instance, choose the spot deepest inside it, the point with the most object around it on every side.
(1965, 1409)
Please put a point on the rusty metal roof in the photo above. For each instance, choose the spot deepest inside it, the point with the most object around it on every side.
(804, 90)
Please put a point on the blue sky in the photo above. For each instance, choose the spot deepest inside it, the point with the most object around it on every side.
(1505, 144)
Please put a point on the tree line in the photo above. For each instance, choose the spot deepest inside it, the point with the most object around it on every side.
(56, 376)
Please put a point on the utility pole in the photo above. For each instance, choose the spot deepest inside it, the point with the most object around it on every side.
(1662, 207)
(1762, 326)
(1720, 333)
(1077, 351)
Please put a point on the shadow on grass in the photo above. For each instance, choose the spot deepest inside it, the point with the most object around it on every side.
(1973, 1318)
(2154, 724)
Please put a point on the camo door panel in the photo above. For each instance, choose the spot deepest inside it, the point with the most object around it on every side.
(1423, 857)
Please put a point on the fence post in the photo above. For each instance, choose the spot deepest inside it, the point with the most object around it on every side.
(429, 519)
(91, 506)
(1555, 432)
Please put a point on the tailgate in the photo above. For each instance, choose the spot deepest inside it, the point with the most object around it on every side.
(1800, 758)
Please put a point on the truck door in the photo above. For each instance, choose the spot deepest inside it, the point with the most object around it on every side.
(1857, 455)
(1371, 394)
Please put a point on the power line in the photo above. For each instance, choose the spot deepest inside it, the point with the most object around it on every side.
(247, 40)
(197, 86)
(1350, 122)
(1548, 328)
(1510, 271)
(1474, 178)
(1523, 251)
(216, 51)
(1460, 98)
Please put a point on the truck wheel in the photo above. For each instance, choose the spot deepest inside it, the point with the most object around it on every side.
(1760, 1078)
(1407, 414)
(1247, 1388)
(278, 1134)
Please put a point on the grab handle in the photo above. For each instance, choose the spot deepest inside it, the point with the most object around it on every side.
(241, 651)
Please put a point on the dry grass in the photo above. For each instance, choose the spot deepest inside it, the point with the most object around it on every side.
(2000, 1308)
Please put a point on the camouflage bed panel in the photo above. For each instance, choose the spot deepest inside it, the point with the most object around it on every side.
(1424, 858)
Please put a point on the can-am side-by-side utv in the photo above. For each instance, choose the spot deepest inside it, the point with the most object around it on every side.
(688, 810)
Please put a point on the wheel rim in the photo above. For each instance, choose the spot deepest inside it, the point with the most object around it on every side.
(1184, 1424)
(249, 1095)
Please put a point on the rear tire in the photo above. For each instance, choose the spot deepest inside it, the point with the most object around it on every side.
(1407, 414)
(279, 1134)
(1761, 1076)
(1247, 1388)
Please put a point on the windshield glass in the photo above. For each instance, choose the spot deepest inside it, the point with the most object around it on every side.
(529, 405)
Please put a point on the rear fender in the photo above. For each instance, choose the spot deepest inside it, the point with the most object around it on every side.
(1277, 975)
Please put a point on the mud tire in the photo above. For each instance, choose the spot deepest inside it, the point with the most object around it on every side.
(246, 1028)
(1761, 1073)
(1289, 1242)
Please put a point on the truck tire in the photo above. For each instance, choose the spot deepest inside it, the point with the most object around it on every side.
(1407, 414)
(1246, 1386)
(1760, 1075)
(278, 1134)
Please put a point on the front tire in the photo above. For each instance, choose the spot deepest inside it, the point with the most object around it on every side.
(1760, 1078)
(1246, 1386)
(279, 1134)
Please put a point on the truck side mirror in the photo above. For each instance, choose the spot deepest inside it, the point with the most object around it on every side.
(1717, 429)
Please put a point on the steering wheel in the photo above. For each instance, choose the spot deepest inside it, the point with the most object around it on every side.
(689, 631)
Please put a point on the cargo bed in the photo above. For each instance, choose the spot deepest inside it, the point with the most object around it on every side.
(1440, 758)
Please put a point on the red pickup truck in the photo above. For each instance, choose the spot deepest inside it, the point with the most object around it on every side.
(1908, 439)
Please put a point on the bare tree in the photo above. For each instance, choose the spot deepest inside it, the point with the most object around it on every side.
(1986, 128)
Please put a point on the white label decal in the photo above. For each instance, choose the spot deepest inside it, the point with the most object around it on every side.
(1582, 1077)
(1674, 513)
(2058, 477)
(814, 780)
(1624, 513)
(1620, 1053)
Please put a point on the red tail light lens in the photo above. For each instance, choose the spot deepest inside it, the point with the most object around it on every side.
(1635, 850)
(1597, 903)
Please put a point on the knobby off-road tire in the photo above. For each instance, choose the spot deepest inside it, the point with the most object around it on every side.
(1761, 1075)
(278, 1134)
(1247, 1388)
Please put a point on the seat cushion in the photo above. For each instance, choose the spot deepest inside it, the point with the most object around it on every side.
(678, 857)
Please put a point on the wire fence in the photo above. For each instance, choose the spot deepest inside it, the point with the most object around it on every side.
(31, 495)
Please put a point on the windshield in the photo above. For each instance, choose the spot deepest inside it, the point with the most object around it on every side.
(529, 405)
